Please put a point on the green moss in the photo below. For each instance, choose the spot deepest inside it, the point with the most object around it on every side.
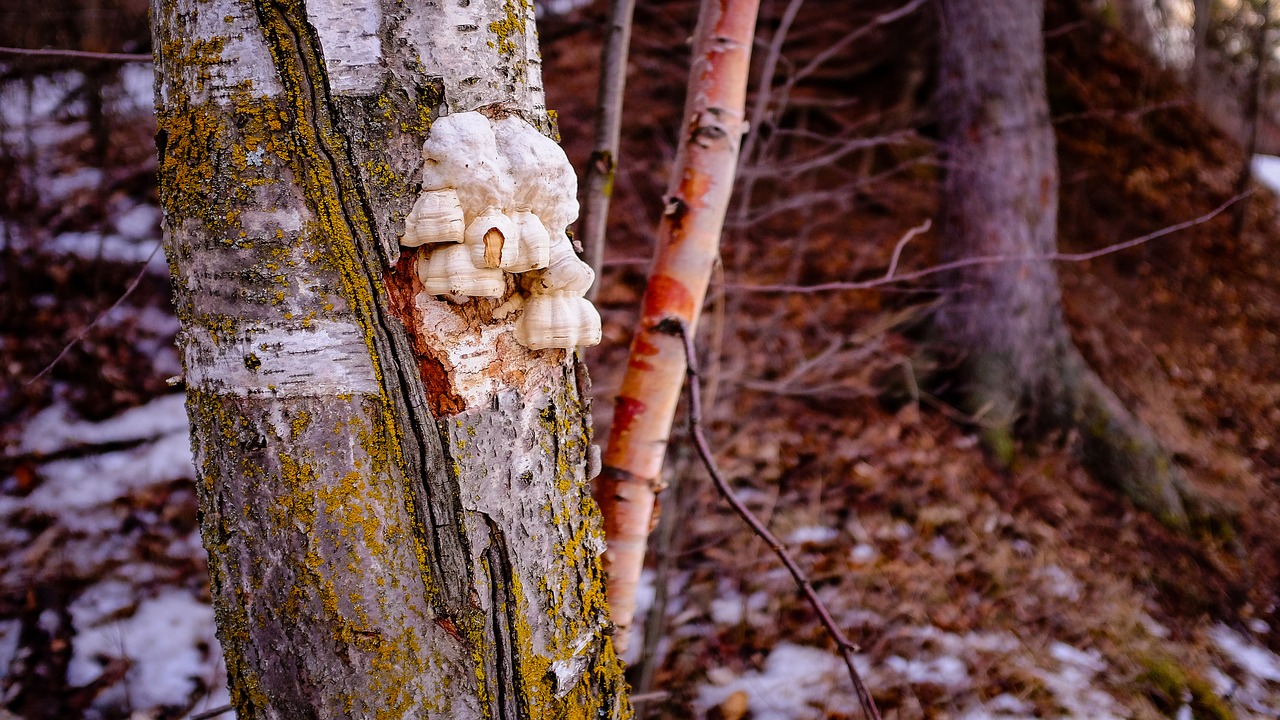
(1169, 686)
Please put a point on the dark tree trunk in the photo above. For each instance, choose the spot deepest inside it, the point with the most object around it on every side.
(1253, 103)
(1000, 197)
(1200, 77)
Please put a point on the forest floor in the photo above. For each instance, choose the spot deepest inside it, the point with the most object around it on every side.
(974, 591)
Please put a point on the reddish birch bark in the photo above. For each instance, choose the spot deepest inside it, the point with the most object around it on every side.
(688, 243)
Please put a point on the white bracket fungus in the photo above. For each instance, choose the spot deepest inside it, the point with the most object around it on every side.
(507, 193)
(436, 217)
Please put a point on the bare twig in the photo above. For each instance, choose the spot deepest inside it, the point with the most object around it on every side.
(995, 259)
(830, 157)
(81, 54)
(85, 331)
(837, 47)
(677, 327)
(210, 714)
(902, 243)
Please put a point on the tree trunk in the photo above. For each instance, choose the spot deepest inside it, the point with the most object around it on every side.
(1200, 70)
(1253, 106)
(688, 243)
(392, 489)
(1136, 20)
(1000, 197)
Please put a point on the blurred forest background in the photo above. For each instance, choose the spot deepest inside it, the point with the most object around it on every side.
(975, 590)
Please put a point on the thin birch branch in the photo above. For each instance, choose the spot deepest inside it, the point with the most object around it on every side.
(847, 649)
(688, 244)
(883, 19)
(603, 165)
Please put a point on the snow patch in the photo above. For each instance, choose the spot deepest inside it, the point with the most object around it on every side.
(796, 683)
(812, 534)
(1267, 169)
(99, 602)
(945, 670)
(1253, 659)
(863, 554)
(112, 248)
(141, 222)
(74, 489)
(170, 644)
(53, 428)
(1059, 583)
(731, 608)
(1072, 684)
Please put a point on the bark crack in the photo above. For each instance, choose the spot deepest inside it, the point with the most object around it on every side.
(296, 51)
(504, 618)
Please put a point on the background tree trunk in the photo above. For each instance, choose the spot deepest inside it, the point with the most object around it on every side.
(1200, 65)
(1254, 102)
(1135, 19)
(1000, 197)
(393, 491)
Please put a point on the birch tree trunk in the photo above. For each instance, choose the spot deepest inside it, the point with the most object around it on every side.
(392, 490)
(1000, 197)
(687, 246)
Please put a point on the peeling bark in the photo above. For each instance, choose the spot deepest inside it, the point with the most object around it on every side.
(382, 544)
(688, 244)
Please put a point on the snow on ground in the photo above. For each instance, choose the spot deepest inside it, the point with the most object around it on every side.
(55, 428)
(168, 641)
(1267, 170)
(136, 610)
(1256, 684)
(806, 683)
(43, 121)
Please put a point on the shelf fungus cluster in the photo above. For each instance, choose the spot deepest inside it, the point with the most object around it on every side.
(498, 196)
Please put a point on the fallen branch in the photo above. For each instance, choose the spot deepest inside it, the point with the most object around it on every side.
(673, 326)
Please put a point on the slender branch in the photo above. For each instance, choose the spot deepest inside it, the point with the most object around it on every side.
(677, 327)
(603, 165)
(994, 259)
(210, 714)
(761, 104)
(842, 43)
(85, 331)
(902, 243)
(80, 54)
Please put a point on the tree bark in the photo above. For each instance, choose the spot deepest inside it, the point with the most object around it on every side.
(1000, 197)
(1200, 69)
(688, 244)
(1253, 106)
(602, 168)
(392, 490)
